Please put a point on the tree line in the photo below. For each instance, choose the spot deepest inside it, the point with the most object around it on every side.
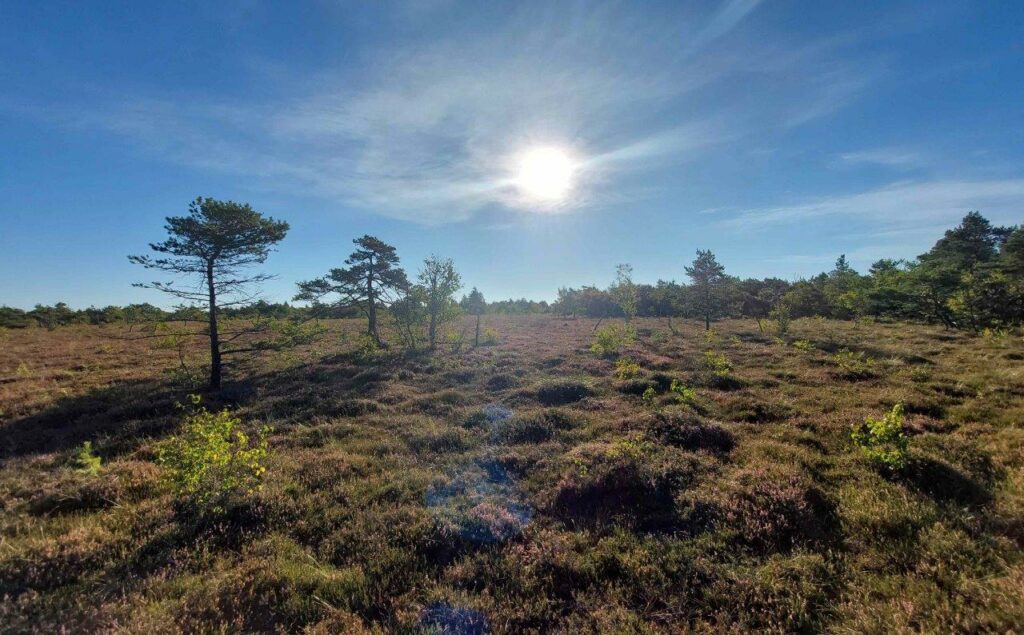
(972, 278)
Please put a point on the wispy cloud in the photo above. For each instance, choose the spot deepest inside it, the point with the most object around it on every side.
(725, 19)
(936, 203)
(429, 131)
(889, 157)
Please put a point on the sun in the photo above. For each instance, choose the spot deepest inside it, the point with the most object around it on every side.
(545, 174)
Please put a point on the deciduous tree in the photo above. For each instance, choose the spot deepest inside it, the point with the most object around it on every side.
(440, 281)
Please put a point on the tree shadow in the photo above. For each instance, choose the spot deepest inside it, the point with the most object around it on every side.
(944, 483)
(115, 417)
(118, 415)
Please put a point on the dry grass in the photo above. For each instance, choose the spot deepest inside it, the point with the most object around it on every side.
(522, 487)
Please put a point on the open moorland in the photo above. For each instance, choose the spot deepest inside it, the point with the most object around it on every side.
(692, 481)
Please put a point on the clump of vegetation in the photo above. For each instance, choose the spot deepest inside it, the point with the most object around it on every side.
(883, 440)
(803, 346)
(611, 339)
(687, 431)
(746, 408)
(855, 366)
(365, 348)
(489, 337)
(780, 316)
(562, 391)
(626, 368)
(502, 381)
(86, 461)
(628, 482)
(774, 509)
(920, 374)
(649, 396)
(212, 460)
(455, 340)
(716, 371)
(684, 394)
(717, 364)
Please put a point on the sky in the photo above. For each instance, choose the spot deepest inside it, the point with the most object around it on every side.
(778, 134)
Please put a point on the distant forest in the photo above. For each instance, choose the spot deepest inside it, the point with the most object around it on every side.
(972, 278)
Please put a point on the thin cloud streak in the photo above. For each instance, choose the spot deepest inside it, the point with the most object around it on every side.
(935, 202)
(888, 157)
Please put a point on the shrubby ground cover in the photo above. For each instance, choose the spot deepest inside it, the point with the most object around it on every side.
(524, 486)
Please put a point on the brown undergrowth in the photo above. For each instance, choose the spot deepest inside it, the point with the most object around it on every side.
(523, 486)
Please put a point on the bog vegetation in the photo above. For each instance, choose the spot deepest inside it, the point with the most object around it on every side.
(837, 454)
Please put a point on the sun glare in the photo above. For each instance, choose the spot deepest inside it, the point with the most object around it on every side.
(545, 174)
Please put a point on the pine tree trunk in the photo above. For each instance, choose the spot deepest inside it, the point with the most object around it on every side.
(371, 309)
(476, 340)
(433, 328)
(215, 360)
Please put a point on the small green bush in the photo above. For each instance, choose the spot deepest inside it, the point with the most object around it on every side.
(855, 365)
(456, 340)
(684, 394)
(781, 316)
(883, 440)
(803, 346)
(650, 394)
(489, 337)
(626, 368)
(85, 461)
(212, 460)
(611, 339)
(717, 364)
(366, 349)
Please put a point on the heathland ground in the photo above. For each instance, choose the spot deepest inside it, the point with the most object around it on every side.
(706, 482)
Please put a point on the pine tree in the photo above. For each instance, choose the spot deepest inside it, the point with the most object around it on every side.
(709, 283)
(212, 245)
(371, 281)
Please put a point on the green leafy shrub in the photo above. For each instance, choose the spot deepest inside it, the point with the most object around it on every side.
(366, 349)
(489, 337)
(456, 340)
(803, 346)
(611, 339)
(717, 365)
(781, 317)
(855, 365)
(211, 460)
(626, 368)
(650, 394)
(85, 461)
(684, 394)
(883, 440)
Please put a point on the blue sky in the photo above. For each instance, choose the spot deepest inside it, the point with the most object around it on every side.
(777, 133)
